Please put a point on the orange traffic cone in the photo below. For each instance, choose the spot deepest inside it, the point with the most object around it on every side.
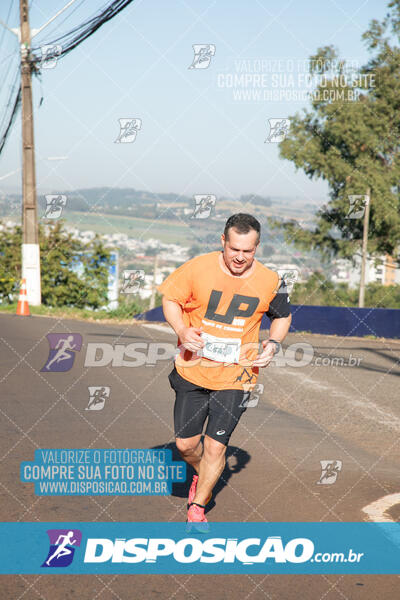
(23, 306)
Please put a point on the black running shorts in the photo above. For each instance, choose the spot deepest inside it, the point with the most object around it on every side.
(193, 404)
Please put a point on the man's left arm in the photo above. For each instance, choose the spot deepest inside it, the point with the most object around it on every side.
(279, 312)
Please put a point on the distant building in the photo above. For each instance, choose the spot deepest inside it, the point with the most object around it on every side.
(392, 271)
(146, 291)
(381, 269)
(342, 268)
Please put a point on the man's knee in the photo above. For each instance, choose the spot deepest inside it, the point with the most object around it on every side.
(213, 449)
(187, 445)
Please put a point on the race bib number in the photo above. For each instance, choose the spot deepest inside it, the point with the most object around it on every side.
(220, 349)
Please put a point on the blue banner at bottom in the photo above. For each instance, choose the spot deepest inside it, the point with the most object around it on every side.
(225, 548)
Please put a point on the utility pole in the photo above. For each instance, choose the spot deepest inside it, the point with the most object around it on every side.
(30, 228)
(364, 250)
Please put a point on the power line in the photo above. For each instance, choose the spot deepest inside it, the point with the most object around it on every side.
(7, 19)
(12, 55)
(30, 64)
(10, 101)
(78, 34)
(14, 101)
(68, 16)
(68, 42)
(16, 105)
(14, 98)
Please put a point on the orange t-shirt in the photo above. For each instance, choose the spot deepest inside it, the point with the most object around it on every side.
(229, 309)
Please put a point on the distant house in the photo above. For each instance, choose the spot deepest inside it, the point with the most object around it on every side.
(379, 269)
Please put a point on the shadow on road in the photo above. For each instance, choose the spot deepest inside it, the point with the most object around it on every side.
(236, 460)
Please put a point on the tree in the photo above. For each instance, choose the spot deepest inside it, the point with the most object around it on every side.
(318, 290)
(10, 262)
(350, 138)
(73, 274)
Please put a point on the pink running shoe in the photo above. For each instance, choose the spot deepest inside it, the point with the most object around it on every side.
(196, 519)
(192, 491)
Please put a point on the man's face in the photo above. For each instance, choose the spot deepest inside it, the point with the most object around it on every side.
(239, 250)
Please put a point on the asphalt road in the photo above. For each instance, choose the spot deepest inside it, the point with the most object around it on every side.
(339, 401)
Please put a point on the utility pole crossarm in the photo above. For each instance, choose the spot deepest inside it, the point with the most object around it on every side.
(35, 32)
(14, 31)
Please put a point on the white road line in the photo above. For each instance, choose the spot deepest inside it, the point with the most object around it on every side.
(376, 511)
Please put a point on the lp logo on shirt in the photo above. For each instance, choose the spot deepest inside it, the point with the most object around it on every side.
(233, 309)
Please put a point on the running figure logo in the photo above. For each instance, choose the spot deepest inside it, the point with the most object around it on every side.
(251, 397)
(204, 203)
(62, 547)
(203, 54)
(97, 397)
(62, 351)
(128, 130)
(278, 130)
(289, 278)
(330, 471)
(54, 205)
(50, 55)
(132, 280)
(357, 206)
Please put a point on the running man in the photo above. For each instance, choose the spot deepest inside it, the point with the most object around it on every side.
(62, 346)
(62, 549)
(99, 396)
(213, 300)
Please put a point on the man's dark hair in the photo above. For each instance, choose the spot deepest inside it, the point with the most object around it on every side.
(242, 223)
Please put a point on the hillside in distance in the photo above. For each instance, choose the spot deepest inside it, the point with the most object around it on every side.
(170, 206)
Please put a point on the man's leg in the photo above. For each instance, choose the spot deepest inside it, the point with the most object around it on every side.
(211, 465)
(225, 409)
(191, 450)
(190, 413)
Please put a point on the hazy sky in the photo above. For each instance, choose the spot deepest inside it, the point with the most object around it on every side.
(195, 136)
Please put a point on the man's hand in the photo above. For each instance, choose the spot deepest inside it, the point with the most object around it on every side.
(263, 359)
(190, 338)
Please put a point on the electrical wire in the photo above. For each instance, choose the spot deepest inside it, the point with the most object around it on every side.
(67, 16)
(12, 55)
(11, 98)
(68, 42)
(16, 105)
(14, 98)
(7, 20)
(78, 34)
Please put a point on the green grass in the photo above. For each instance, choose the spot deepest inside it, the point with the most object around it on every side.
(141, 229)
(71, 313)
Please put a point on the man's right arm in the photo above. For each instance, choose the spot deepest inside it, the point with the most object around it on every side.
(189, 336)
(173, 315)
